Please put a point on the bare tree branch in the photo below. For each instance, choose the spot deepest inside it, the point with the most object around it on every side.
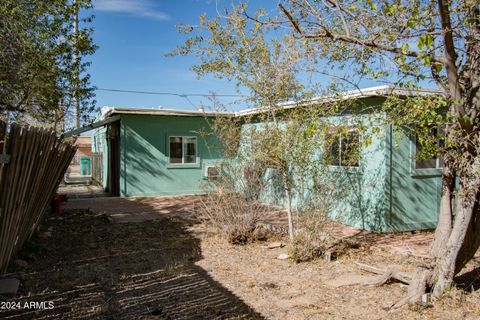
(454, 88)
(353, 40)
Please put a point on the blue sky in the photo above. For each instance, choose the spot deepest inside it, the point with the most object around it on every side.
(133, 37)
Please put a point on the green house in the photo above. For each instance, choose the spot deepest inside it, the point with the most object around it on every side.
(154, 152)
(160, 152)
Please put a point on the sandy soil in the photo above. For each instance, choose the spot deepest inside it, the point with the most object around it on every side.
(282, 289)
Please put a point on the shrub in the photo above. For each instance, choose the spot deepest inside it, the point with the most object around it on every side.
(308, 246)
(312, 241)
(233, 216)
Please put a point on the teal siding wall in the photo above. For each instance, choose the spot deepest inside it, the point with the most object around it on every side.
(415, 194)
(360, 199)
(144, 165)
(383, 194)
(364, 201)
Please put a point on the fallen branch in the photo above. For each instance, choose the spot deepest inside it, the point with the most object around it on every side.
(385, 275)
(417, 285)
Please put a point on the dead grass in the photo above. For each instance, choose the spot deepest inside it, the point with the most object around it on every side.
(92, 268)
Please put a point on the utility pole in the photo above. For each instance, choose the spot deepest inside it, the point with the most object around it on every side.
(76, 67)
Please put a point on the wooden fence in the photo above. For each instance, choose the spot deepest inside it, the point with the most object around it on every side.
(97, 162)
(32, 164)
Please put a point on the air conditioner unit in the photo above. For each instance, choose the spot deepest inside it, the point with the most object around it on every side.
(212, 171)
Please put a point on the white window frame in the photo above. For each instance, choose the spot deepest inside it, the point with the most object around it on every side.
(184, 138)
(340, 137)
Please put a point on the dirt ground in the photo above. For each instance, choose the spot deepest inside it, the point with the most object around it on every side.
(91, 267)
(282, 289)
(152, 259)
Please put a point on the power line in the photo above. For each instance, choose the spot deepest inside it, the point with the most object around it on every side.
(181, 95)
(190, 101)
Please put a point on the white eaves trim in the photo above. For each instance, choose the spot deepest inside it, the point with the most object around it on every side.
(379, 91)
(110, 111)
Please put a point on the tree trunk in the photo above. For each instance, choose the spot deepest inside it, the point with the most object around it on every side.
(444, 226)
(463, 242)
(291, 229)
(288, 195)
(458, 247)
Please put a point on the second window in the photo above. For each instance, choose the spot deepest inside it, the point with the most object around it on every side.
(343, 147)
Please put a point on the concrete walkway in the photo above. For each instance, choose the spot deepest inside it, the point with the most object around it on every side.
(80, 191)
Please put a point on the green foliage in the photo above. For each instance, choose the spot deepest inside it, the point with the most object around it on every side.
(418, 116)
(390, 41)
(405, 43)
(37, 49)
(281, 140)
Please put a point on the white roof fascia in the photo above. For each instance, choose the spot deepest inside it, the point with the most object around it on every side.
(163, 112)
(353, 94)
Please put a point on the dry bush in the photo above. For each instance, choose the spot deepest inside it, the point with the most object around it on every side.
(312, 241)
(233, 216)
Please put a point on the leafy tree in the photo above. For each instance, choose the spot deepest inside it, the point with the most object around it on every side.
(413, 41)
(39, 58)
(285, 143)
(267, 68)
(408, 43)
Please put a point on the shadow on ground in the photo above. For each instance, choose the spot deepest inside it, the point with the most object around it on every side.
(92, 268)
(470, 280)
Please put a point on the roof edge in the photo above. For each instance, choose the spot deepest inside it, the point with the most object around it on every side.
(378, 91)
(162, 112)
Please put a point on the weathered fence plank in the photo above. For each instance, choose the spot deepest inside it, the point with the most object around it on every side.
(97, 167)
(38, 161)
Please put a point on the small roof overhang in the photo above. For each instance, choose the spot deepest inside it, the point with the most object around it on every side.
(164, 112)
(112, 114)
(89, 127)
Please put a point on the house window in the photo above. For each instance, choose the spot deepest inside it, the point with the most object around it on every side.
(183, 149)
(435, 162)
(343, 148)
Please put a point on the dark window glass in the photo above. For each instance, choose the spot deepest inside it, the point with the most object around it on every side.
(332, 155)
(176, 149)
(343, 148)
(190, 150)
(350, 149)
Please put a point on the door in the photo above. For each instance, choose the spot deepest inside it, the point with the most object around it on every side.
(113, 137)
